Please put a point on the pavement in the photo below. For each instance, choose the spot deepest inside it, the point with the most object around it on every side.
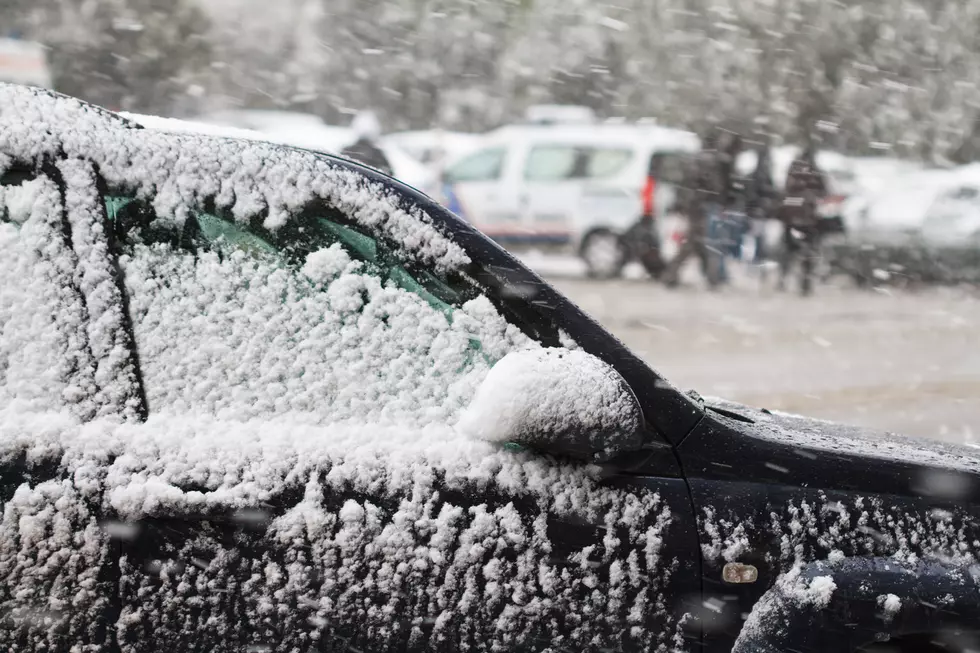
(902, 360)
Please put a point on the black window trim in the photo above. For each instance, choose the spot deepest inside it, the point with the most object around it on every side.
(102, 188)
(48, 167)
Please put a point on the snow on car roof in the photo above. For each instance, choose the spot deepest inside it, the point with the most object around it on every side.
(247, 178)
(262, 119)
(178, 126)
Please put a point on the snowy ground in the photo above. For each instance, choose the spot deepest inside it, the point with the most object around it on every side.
(898, 360)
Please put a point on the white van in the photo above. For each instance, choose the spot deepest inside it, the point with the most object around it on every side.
(572, 186)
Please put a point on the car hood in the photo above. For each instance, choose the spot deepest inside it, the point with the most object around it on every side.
(832, 455)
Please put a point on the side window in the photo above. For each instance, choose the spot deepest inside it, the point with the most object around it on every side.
(607, 162)
(45, 365)
(668, 167)
(485, 165)
(553, 163)
(319, 320)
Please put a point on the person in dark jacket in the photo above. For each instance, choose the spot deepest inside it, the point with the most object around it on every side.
(698, 199)
(805, 187)
(365, 149)
(760, 195)
(727, 228)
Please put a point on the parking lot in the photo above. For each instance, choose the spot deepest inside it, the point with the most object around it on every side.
(890, 359)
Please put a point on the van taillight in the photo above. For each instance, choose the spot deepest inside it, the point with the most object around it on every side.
(647, 195)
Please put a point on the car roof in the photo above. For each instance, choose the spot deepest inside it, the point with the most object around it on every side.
(178, 126)
(178, 168)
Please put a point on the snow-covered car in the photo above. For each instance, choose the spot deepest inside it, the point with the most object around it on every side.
(574, 186)
(254, 398)
(923, 224)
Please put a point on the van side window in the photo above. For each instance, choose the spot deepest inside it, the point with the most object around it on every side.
(485, 165)
(552, 163)
(563, 162)
(606, 162)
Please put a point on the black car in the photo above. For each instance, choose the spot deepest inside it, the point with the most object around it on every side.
(257, 399)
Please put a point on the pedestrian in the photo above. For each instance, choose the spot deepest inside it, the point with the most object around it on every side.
(698, 199)
(805, 187)
(367, 130)
(726, 227)
(760, 195)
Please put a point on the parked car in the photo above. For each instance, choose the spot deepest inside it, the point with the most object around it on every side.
(254, 398)
(568, 186)
(923, 225)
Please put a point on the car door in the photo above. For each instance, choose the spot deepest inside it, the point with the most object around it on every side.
(552, 178)
(298, 483)
(57, 590)
(481, 188)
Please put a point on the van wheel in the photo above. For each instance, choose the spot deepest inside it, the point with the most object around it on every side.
(604, 254)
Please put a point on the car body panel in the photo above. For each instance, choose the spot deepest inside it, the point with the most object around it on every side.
(778, 492)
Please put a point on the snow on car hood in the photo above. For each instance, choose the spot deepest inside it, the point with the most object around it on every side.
(831, 437)
(247, 178)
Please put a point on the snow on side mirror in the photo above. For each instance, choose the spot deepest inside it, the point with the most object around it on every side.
(560, 401)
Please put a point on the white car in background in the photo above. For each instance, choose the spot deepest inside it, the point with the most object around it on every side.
(924, 224)
(571, 186)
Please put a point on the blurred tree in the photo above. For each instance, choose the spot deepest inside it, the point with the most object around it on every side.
(868, 75)
(141, 55)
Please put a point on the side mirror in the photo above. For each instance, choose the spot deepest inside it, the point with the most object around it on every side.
(557, 400)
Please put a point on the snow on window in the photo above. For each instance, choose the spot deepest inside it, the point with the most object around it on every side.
(45, 362)
(237, 332)
(115, 372)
